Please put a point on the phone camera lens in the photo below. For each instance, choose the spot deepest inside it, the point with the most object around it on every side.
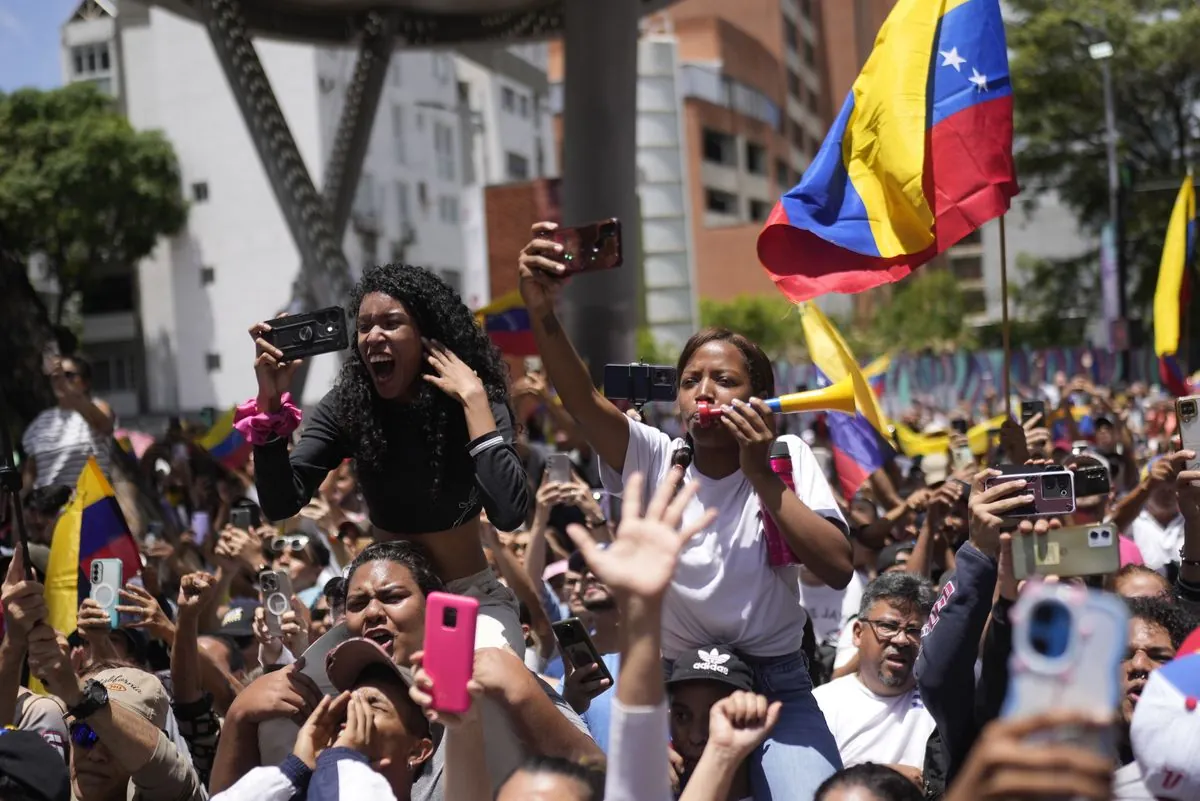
(1050, 629)
(450, 617)
(1095, 535)
(305, 333)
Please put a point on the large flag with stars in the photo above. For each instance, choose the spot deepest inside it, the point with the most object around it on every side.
(919, 157)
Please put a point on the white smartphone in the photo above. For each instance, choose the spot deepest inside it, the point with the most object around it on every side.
(107, 580)
(1187, 411)
(1067, 648)
(558, 466)
(276, 589)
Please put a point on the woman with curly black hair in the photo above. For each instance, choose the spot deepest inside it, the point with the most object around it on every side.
(421, 407)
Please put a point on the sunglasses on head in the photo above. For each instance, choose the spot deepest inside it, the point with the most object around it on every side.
(289, 542)
(83, 735)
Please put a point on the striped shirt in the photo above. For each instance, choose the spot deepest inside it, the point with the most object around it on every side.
(60, 441)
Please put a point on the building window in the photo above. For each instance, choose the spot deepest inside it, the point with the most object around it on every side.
(720, 202)
(453, 279)
(783, 176)
(756, 158)
(441, 67)
(207, 275)
(508, 99)
(448, 209)
(974, 301)
(973, 238)
(212, 362)
(759, 210)
(200, 191)
(795, 88)
(402, 208)
(813, 98)
(797, 135)
(518, 167)
(524, 105)
(398, 149)
(719, 148)
(90, 60)
(791, 34)
(443, 145)
(109, 295)
(967, 268)
(810, 54)
(113, 374)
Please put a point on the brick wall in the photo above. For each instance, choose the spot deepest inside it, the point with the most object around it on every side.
(510, 210)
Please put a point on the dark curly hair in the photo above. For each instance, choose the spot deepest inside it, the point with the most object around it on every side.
(440, 314)
(1169, 616)
(402, 552)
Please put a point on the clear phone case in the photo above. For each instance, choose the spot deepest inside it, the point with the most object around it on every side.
(1068, 643)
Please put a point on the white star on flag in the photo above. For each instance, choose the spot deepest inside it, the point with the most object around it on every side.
(952, 59)
(979, 79)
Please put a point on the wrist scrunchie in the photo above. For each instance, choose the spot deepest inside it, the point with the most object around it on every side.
(260, 427)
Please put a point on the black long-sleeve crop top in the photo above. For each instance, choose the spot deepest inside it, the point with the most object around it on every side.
(483, 473)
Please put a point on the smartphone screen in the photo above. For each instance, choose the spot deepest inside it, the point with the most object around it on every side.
(1031, 409)
(595, 246)
(558, 467)
(200, 526)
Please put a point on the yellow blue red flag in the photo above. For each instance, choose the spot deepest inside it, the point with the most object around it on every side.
(225, 443)
(859, 447)
(506, 322)
(1172, 291)
(919, 157)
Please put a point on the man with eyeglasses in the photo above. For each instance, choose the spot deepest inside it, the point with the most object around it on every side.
(876, 714)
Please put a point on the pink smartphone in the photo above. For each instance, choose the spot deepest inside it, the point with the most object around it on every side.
(450, 649)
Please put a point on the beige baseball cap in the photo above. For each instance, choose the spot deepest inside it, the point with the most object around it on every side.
(137, 690)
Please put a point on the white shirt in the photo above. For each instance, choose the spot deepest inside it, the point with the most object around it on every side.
(890, 730)
(60, 441)
(723, 591)
(1128, 784)
(1159, 544)
(829, 609)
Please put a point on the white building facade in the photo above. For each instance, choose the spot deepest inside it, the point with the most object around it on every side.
(179, 343)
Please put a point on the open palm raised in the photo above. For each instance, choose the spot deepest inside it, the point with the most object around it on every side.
(642, 558)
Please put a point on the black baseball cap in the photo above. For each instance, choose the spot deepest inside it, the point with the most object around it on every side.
(890, 555)
(238, 621)
(713, 663)
(28, 760)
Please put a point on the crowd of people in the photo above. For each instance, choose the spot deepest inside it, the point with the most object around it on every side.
(874, 661)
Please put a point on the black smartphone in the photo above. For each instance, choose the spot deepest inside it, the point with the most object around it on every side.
(595, 246)
(1031, 409)
(640, 383)
(244, 517)
(577, 646)
(309, 333)
(1091, 479)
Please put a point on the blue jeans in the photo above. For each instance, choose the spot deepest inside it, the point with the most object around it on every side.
(800, 753)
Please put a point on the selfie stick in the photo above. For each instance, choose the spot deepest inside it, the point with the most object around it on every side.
(10, 490)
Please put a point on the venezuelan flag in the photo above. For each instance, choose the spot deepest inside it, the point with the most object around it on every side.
(1172, 292)
(859, 447)
(919, 157)
(506, 322)
(91, 527)
(225, 444)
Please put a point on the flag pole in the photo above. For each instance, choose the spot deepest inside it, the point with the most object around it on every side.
(1004, 316)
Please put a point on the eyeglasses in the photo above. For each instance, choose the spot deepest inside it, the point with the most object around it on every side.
(290, 542)
(83, 735)
(889, 630)
(70, 374)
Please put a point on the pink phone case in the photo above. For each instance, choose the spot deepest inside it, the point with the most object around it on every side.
(450, 649)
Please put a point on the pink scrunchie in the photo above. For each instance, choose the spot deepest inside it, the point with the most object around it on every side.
(259, 428)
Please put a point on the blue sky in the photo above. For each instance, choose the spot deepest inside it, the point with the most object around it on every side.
(29, 42)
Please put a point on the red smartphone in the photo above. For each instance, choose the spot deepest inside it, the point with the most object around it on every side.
(595, 246)
(450, 649)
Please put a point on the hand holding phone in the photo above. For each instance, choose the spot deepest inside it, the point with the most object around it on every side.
(558, 468)
(298, 336)
(595, 246)
(450, 649)
(107, 581)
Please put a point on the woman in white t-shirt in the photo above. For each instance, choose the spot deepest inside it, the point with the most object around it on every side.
(724, 590)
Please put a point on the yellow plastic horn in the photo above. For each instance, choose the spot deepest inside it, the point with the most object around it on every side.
(837, 397)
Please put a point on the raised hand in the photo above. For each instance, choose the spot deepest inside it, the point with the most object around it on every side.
(581, 685)
(146, 613)
(539, 270)
(360, 725)
(93, 621)
(421, 694)
(738, 723)
(196, 592)
(319, 730)
(641, 560)
(1187, 485)
(273, 373)
(451, 374)
(23, 600)
(986, 508)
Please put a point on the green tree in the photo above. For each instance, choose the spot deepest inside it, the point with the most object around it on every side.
(1060, 127)
(769, 320)
(925, 311)
(80, 187)
(651, 351)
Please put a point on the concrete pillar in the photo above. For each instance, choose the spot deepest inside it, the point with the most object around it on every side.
(601, 311)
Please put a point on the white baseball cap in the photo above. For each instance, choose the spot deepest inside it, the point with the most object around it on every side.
(1165, 733)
